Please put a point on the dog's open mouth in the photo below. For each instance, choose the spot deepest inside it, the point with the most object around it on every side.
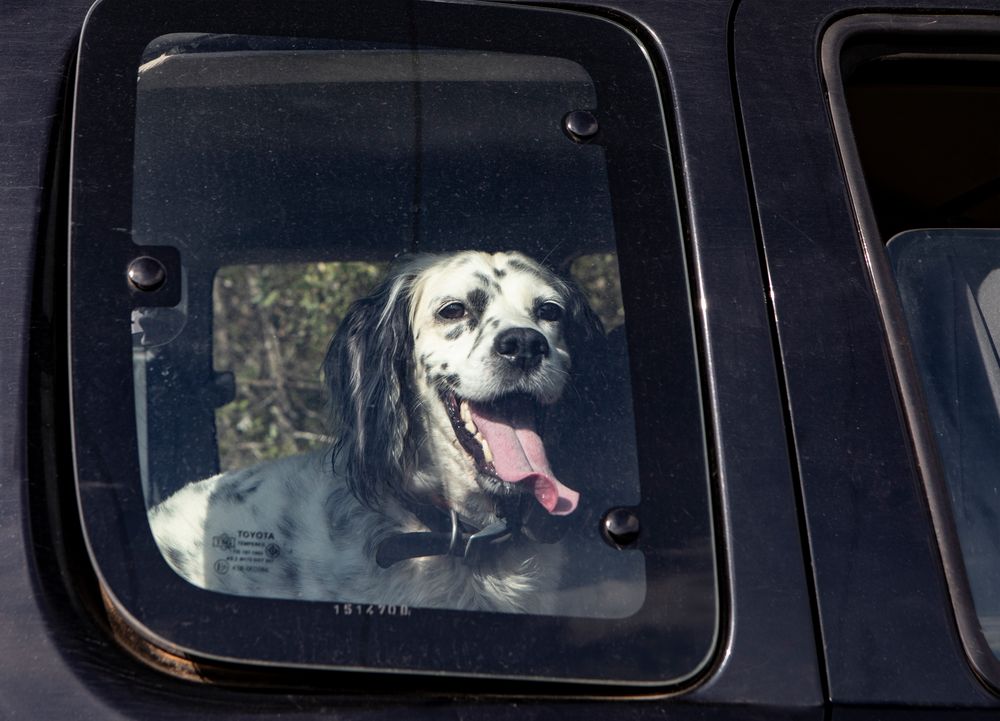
(503, 439)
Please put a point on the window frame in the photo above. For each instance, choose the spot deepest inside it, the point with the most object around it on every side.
(846, 44)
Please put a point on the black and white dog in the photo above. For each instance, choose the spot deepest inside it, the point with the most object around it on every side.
(438, 492)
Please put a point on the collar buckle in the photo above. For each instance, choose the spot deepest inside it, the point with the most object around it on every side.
(481, 542)
(461, 539)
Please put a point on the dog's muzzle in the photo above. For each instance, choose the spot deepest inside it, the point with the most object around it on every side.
(502, 438)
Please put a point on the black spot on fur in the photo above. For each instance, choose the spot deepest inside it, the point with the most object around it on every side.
(499, 272)
(452, 380)
(177, 558)
(444, 366)
(478, 299)
(239, 489)
(290, 575)
(521, 266)
(487, 282)
(288, 527)
(479, 338)
(455, 332)
(473, 323)
(341, 525)
(495, 323)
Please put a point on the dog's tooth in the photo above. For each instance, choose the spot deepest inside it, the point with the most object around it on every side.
(466, 415)
(487, 453)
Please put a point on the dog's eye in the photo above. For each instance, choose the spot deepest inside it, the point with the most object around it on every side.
(452, 311)
(549, 311)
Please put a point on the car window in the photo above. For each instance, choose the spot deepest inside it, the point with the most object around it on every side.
(389, 361)
(914, 111)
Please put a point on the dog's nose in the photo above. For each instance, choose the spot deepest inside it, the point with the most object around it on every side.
(524, 347)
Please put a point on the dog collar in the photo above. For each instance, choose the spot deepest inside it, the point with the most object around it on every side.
(456, 537)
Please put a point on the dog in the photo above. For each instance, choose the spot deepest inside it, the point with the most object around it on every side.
(437, 491)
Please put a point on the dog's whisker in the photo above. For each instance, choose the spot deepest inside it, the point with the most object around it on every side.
(551, 252)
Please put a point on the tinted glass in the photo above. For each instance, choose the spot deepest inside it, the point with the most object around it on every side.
(375, 151)
(949, 283)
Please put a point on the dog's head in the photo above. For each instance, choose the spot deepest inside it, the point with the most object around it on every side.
(441, 377)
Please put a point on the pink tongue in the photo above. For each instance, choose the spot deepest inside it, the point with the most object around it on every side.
(519, 455)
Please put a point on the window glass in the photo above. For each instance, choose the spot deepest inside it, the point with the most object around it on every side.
(410, 363)
(915, 115)
(924, 127)
(949, 284)
(245, 139)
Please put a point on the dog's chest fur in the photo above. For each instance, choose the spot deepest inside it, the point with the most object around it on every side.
(291, 529)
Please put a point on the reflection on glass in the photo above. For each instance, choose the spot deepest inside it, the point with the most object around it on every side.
(458, 441)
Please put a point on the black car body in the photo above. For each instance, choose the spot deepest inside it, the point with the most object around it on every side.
(840, 588)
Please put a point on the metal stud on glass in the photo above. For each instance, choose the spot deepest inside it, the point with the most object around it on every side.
(146, 274)
(620, 527)
(580, 125)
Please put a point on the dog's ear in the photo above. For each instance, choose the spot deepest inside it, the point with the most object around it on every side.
(366, 371)
(584, 331)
